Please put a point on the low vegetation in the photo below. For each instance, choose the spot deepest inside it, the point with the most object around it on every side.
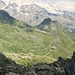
(27, 47)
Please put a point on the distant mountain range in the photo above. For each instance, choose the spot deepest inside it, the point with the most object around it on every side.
(46, 25)
(34, 14)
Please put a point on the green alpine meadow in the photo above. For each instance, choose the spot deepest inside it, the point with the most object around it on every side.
(28, 45)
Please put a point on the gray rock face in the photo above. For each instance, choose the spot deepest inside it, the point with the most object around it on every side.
(71, 66)
(31, 14)
(11, 9)
(8, 65)
(34, 14)
(2, 4)
(42, 69)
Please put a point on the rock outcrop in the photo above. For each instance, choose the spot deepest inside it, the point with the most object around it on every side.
(8, 66)
(71, 66)
(42, 69)
(59, 67)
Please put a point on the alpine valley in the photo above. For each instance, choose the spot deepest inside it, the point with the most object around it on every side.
(35, 33)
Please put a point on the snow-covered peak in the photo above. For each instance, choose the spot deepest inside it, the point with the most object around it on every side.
(47, 7)
(50, 8)
(19, 2)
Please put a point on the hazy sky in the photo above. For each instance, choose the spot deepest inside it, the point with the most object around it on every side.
(48, 1)
(44, 1)
(68, 5)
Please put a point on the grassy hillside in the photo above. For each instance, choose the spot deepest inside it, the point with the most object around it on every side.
(38, 46)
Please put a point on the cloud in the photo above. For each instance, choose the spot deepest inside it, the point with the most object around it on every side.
(68, 5)
(69, 0)
(47, 1)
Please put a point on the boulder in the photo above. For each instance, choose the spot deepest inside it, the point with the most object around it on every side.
(42, 69)
(11, 73)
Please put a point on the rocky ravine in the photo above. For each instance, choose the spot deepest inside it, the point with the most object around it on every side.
(59, 67)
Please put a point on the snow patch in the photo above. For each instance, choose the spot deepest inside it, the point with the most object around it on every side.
(26, 14)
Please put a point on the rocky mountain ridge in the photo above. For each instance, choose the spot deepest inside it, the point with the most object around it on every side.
(60, 67)
(38, 13)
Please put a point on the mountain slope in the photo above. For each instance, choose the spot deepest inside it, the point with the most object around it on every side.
(33, 46)
(6, 18)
